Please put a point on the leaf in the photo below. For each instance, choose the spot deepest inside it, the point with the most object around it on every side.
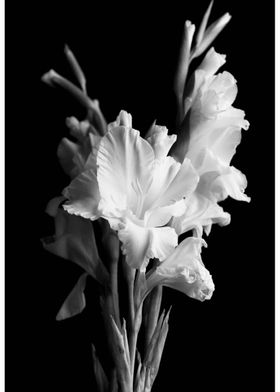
(75, 302)
(100, 376)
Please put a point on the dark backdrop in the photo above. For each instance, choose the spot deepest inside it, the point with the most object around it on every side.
(129, 53)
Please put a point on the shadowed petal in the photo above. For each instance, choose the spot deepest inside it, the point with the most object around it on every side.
(74, 240)
(83, 196)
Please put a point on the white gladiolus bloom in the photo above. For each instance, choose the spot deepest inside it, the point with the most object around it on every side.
(215, 130)
(137, 188)
(183, 270)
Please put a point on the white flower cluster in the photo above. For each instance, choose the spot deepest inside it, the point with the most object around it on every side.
(144, 193)
(152, 189)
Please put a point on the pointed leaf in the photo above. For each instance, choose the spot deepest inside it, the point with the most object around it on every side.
(75, 302)
(100, 376)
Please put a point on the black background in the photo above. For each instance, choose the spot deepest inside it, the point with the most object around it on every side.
(129, 54)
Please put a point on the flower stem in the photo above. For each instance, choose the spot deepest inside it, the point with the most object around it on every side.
(134, 336)
(114, 291)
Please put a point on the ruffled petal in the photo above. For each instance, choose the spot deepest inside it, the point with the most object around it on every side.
(183, 270)
(124, 163)
(135, 243)
(221, 135)
(224, 84)
(200, 214)
(140, 243)
(83, 195)
(230, 183)
(218, 181)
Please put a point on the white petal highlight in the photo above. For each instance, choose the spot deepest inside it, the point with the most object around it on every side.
(199, 215)
(135, 243)
(124, 161)
(212, 62)
(163, 240)
(231, 183)
(140, 243)
(172, 181)
(160, 216)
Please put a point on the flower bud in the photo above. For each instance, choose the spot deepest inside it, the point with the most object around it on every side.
(211, 33)
(161, 141)
(77, 70)
(184, 57)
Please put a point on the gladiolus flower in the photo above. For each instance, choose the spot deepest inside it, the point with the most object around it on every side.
(137, 188)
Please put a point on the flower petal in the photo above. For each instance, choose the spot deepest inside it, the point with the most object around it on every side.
(218, 181)
(183, 270)
(230, 183)
(124, 163)
(74, 240)
(83, 195)
(171, 182)
(212, 62)
(200, 214)
(224, 84)
(141, 243)
(160, 216)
